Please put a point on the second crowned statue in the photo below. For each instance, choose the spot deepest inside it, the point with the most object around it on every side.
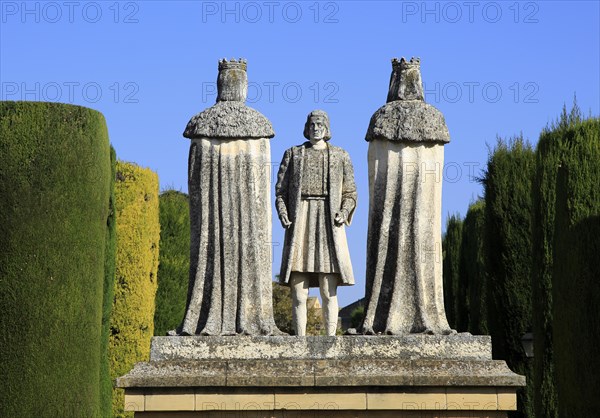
(315, 200)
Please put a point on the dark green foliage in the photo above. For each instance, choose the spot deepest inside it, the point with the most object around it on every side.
(174, 261)
(507, 184)
(576, 272)
(451, 251)
(472, 268)
(282, 308)
(55, 187)
(549, 153)
(108, 294)
(357, 316)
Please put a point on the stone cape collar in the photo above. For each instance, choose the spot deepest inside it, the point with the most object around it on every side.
(229, 120)
(408, 120)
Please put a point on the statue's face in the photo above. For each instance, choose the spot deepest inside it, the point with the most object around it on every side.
(316, 129)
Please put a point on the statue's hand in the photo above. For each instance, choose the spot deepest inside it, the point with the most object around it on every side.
(285, 222)
(340, 218)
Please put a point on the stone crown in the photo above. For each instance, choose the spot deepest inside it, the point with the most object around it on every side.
(240, 64)
(402, 63)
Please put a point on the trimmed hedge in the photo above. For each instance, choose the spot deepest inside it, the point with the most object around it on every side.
(174, 261)
(551, 147)
(138, 234)
(451, 255)
(472, 268)
(576, 271)
(108, 293)
(507, 184)
(55, 185)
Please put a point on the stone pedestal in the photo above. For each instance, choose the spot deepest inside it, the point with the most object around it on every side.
(350, 376)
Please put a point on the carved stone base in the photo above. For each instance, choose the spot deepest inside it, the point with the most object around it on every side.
(325, 402)
(350, 376)
(414, 346)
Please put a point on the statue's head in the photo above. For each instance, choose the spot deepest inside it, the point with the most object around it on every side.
(317, 123)
(232, 82)
(405, 81)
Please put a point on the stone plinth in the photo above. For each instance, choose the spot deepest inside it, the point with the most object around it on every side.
(349, 376)
(406, 347)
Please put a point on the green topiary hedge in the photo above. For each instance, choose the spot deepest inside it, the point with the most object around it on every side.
(106, 385)
(549, 154)
(55, 185)
(138, 234)
(174, 261)
(451, 254)
(472, 268)
(507, 184)
(576, 272)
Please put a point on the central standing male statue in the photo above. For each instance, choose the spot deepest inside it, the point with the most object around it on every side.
(315, 199)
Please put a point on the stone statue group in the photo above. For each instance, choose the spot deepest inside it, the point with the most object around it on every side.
(230, 289)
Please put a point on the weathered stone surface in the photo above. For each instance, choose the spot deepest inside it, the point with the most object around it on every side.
(341, 195)
(413, 121)
(464, 373)
(370, 372)
(404, 252)
(230, 290)
(315, 199)
(270, 373)
(317, 373)
(229, 120)
(406, 116)
(232, 82)
(176, 374)
(414, 346)
(405, 81)
(404, 244)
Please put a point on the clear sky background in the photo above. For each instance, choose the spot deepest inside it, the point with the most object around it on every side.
(492, 67)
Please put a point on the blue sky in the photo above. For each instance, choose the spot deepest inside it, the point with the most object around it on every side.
(492, 67)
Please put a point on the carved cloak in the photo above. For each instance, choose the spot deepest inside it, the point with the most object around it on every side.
(404, 284)
(404, 291)
(230, 289)
(230, 282)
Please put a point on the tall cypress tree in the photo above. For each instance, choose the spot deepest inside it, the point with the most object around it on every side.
(106, 384)
(451, 254)
(55, 182)
(507, 184)
(472, 268)
(138, 236)
(551, 147)
(575, 285)
(174, 261)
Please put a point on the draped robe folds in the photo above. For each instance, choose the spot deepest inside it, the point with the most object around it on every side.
(404, 291)
(230, 254)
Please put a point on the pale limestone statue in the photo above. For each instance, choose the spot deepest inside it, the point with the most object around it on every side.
(404, 252)
(230, 290)
(315, 199)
